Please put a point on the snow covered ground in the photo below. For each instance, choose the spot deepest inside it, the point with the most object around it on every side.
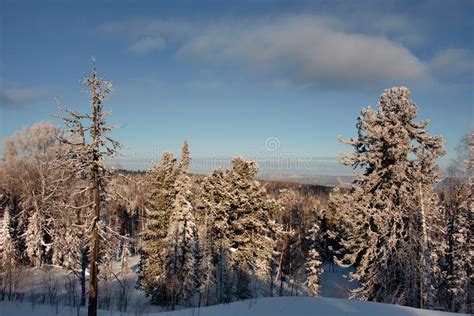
(335, 287)
(272, 306)
(335, 281)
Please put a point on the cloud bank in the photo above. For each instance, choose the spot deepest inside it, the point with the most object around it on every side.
(453, 63)
(308, 52)
(305, 50)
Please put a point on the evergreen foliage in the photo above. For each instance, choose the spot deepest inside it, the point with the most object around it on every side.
(391, 213)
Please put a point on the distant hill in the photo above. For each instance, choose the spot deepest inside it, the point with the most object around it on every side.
(310, 179)
(314, 179)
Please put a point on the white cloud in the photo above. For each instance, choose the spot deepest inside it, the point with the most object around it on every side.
(20, 96)
(453, 62)
(303, 50)
(147, 45)
(308, 52)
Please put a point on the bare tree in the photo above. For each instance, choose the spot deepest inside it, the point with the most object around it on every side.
(70, 291)
(88, 145)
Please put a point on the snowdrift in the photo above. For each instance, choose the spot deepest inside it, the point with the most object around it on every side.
(272, 306)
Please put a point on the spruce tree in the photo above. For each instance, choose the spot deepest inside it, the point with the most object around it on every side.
(215, 269)
(457, 196)
(160, 183)
(470, 210)
(169, 197)
(185, 157)
(251, 228)
(460, 279)
(238, 249)
(390, 212)
(9, 257)
(292, 262)
(34, 238)
(181, 246)
(313, 263)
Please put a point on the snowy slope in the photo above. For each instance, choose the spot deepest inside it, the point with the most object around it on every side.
(335, 287)
(275, 306)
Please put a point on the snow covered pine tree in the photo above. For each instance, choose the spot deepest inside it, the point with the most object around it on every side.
(9, 258)
(215, 271)
(313, 263)
(390, 212)
(250, 229)
(456, 196)
(181, 242)
(159, 181)
(170, 243)
(238, 242)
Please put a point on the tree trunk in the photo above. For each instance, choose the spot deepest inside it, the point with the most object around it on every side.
(82, 279)
(425, 284)
(93, 285)
(207, 293)
(281, 285)
(271, 282)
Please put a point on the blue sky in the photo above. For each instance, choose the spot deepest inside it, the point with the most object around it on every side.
(230, 75)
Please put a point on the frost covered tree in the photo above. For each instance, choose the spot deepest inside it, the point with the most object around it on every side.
(292, 256)
(185, 157)
(181, 241)
(313, 263)
(211, 212)
(71, 243)
(460, 278)
(250, 229)
(34, 238)
(237, 245)
(181, 246)
(170, 244)
(276, 233)
(160, 181)
(30, 164)
(215, 266)
(206, 270)
(123, 294)
(41, 191)
(88, 144)
(391, 213)
(456, 196)
(9, 257)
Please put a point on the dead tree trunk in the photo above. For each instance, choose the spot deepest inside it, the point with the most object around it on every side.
(86, 160)
(93, 285)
